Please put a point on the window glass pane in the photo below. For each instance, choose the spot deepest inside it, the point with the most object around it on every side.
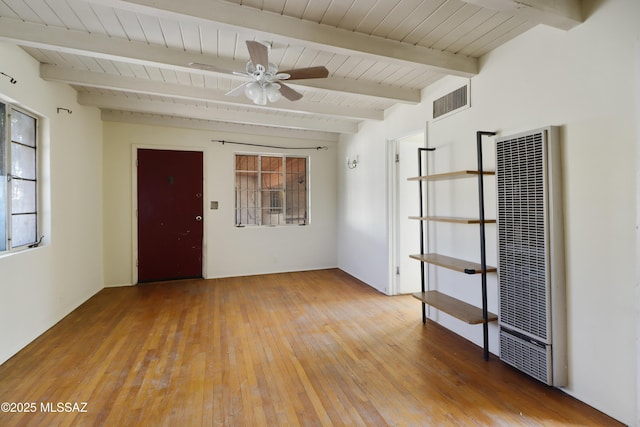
(272, 211)
(271, 182)
(296, 190)
(246, 163)
(246, 192)
(3, 179)
(3, 213)
(18, 175)
(3, 147)
(23, 128)
(23, 197)
(23, 161)
(271, 164)
(23, 230)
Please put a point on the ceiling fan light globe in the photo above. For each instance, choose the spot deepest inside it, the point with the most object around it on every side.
(252, 90)
(261, 99)
(273, 92)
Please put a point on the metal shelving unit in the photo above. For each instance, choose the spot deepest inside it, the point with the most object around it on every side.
(454, 307)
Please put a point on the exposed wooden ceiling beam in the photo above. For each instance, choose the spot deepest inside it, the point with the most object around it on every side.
(286, 28)
(215, 114)
(150, 87)
(100, 46)
(564, 14)
(208, 125)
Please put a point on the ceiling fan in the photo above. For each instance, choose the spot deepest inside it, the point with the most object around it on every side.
(266, 81)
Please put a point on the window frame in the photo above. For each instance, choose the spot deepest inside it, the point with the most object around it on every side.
(8, 148)
(280, 195)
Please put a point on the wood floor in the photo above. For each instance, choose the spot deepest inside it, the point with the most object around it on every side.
(313, 349)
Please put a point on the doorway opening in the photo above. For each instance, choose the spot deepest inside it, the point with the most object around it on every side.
(404, 202)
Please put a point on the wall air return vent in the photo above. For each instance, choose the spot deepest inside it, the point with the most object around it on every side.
(452, 102)
(531, 254)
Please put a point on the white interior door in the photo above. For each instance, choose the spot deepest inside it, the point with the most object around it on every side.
(407, 204)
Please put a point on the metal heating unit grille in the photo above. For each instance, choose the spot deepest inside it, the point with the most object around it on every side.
(521, 235)
(526, 356)
(531, 255)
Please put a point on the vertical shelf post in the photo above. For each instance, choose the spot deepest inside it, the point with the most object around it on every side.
(483, 254)
(422, 266)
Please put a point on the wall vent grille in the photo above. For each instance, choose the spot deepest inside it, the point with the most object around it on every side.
(526, 356)
(531, 288)
(451, 102)
(521, 235)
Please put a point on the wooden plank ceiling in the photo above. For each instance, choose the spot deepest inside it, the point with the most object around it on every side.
(130, 58)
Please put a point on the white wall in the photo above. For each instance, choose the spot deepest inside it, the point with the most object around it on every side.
(38, 287)
(582, 80)
(637, 115)
(229, 251)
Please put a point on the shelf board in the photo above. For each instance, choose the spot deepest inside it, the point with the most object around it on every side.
(451, 175)
(452, 219)
(452, 263)
(454, 307)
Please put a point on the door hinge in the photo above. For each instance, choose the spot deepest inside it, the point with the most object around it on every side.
(397, 271)
(397, 158)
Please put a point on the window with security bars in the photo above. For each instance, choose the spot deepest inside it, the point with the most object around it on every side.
(18, 179)
(271, 190)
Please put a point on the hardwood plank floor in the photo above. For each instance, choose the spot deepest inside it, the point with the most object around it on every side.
(315, 348)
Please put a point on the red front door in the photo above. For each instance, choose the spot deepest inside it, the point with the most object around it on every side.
(170, 211)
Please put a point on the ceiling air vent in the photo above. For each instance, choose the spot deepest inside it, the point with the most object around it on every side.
(451, 102)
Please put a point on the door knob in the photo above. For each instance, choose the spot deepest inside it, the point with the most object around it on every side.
(198, 218)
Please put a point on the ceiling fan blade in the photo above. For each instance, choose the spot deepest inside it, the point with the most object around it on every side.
(289, 93)
(238, 90)
(259, 53)
(307, 73)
